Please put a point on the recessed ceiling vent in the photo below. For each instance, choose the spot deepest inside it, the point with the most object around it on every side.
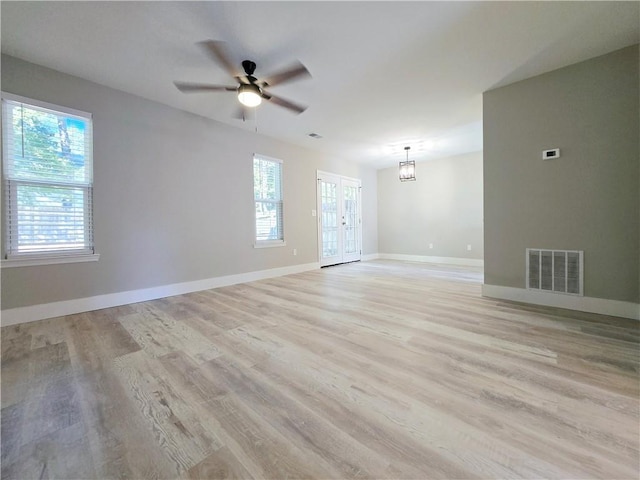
(556, 271)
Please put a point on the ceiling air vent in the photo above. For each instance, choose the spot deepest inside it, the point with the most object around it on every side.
(556, 271)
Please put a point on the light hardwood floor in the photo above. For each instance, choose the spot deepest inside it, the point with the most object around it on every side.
(371, 370)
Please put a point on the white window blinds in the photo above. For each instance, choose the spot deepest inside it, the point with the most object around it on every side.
(48, 178)
(267, 188)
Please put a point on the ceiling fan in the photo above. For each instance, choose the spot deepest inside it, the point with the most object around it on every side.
(250, 90)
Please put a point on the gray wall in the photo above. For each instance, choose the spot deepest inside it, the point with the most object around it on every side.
(173, 195)
(586, 200)
(443, 207)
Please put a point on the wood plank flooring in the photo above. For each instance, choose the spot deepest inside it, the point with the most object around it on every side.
(370, 370)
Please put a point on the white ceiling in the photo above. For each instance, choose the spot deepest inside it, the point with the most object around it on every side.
(385, 74)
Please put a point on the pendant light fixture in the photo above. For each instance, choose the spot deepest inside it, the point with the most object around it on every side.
(407, 168)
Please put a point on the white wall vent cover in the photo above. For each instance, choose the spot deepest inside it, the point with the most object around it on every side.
(556, 271)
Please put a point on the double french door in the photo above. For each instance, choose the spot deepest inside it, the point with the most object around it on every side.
(339, 219)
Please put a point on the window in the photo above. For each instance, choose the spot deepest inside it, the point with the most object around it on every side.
(267, 188)
(48, 180)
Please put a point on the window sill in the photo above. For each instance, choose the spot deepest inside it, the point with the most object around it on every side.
(35, 260)
(270, 244)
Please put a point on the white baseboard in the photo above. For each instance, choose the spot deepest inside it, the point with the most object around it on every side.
(371, 256)
(14, 316)
(469, 262)
(602, 306)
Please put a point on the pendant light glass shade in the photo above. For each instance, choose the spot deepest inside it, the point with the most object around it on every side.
(407, 169)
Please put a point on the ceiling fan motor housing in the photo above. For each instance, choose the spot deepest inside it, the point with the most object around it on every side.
(249, 67)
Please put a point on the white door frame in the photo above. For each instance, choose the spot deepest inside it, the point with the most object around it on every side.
(341, 256)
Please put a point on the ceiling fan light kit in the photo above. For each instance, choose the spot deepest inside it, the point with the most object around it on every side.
(249, 95)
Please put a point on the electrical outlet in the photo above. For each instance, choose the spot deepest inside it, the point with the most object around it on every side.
(431, 245)
(313, 213)
(295, 251)
(469, 247)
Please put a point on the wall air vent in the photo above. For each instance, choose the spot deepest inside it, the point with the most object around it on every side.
(556, 271)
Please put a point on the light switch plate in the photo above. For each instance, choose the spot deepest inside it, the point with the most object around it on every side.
(551, 154)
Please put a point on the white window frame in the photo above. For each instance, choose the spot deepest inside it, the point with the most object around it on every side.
(268, 243)
(52, 257)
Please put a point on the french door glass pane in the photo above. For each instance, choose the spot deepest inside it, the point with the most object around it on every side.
(329, 200)
(350, 218)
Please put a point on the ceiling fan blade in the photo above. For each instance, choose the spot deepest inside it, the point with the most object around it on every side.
(187, 87)
(295, 71)
(284, 103)
(218, 52)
